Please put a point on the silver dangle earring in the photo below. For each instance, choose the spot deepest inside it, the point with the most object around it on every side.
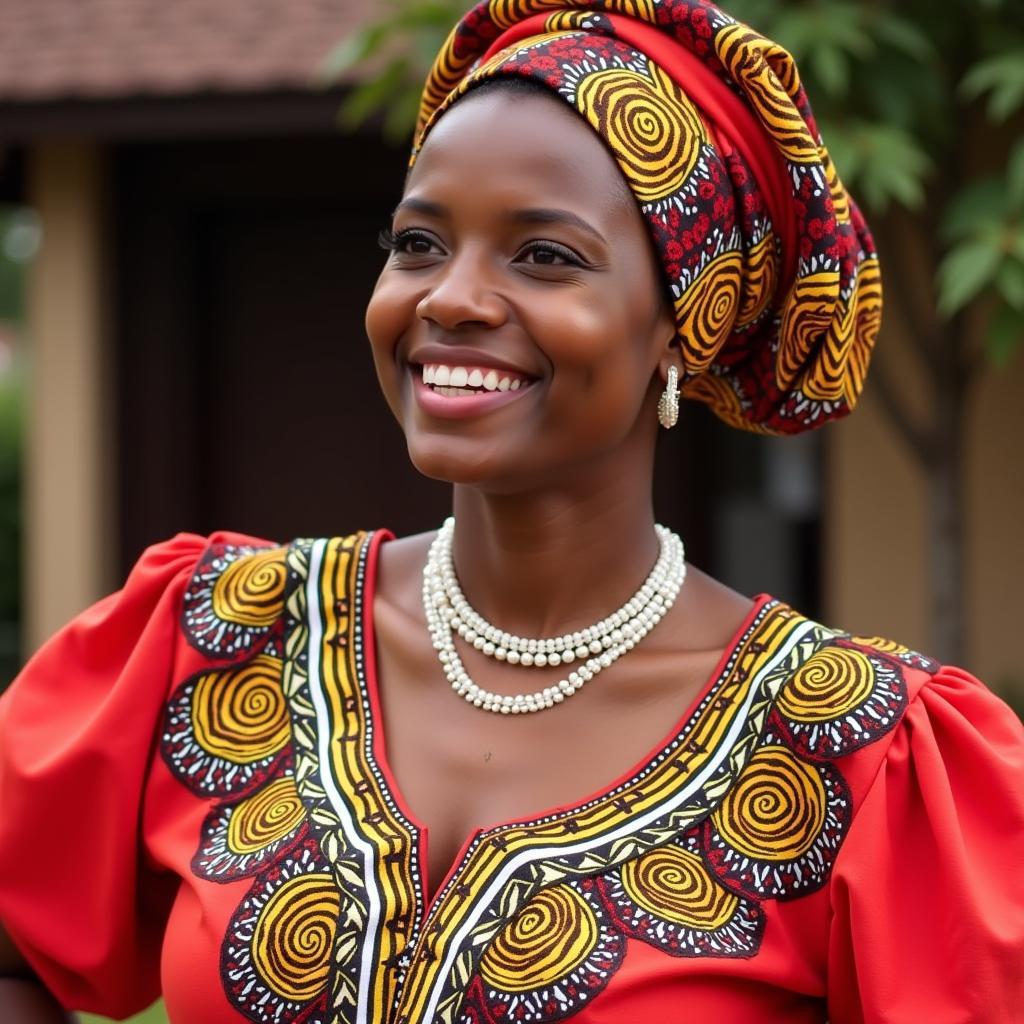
(668, 404)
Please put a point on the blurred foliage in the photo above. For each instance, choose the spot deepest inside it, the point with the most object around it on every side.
(156, 1014)
(896, 86)
(18, 238)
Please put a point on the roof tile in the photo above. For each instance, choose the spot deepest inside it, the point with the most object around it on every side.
(69, 49)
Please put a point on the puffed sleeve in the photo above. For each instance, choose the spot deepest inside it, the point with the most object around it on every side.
(927, 893)
(77, 734)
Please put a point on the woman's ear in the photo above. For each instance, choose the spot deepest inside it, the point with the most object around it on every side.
(671, 353)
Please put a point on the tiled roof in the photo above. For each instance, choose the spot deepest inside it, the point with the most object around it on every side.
(101, 49)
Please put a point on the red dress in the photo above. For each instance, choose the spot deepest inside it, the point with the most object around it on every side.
(195, 800)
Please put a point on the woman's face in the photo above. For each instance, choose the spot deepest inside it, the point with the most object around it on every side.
(519, 322)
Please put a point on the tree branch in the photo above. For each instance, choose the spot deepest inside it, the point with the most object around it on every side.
(914, 314)
(918, 439)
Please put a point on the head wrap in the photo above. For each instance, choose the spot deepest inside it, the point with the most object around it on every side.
(773, 273)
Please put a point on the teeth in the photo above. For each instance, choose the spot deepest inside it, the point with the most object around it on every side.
(461, 380)
(453, 392)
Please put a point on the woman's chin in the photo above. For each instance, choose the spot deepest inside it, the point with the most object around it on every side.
(456, 463)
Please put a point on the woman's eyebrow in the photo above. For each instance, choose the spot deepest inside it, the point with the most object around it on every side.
(548, 215)
(531, 215)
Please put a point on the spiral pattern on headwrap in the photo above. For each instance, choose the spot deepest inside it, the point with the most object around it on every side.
(550, 937)
(239, 713)
(831, 683)
(752, 60)
(759, 278)
(250, 591)
(291, 944)
(867, 323)
(706, 311)
(806, 319)
(266, 816)
(675, 885)
(651, 126)
(776, 809)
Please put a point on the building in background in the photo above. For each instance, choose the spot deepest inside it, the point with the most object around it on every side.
(197, 357)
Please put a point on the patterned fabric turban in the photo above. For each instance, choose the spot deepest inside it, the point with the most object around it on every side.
(773, 272)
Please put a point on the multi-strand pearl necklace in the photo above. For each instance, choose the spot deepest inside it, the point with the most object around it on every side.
(596, 647)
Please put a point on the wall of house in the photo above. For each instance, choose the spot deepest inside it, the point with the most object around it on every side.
(876, 557)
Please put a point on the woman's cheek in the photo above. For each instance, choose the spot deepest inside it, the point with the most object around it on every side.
(385, 323)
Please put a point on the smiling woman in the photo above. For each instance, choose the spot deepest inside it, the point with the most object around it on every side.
(346, 774)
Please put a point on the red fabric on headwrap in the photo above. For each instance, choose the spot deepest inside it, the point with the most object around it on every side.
(773, 274)
(728, 118)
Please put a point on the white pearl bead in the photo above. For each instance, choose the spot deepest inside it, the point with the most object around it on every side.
(526, 658)
(540, 660)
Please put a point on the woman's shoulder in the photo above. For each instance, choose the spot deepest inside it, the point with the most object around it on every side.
(840, 692)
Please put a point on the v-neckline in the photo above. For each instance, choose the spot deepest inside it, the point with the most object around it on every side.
(368, 681)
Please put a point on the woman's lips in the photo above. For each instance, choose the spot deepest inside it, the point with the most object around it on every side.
(477, 390)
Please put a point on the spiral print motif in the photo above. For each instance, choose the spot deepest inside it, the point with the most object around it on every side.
(706, 311)
(866, 326)
(250, 592)
(650, 125)
(806, 319)
(880, 643)
(755, 64)
(675, 885)
(828, 685)
(291, 944)
(777, 808)
(239, 714)
(550, 937)
(826, 378)
(759, 280)
(265, 817)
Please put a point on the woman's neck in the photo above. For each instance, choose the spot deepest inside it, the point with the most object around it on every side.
(544, 563)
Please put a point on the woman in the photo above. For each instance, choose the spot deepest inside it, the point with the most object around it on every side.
(238, 759)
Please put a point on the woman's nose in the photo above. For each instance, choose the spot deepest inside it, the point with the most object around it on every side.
(463, 293)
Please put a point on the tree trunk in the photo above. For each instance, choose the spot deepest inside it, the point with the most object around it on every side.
(945, 468)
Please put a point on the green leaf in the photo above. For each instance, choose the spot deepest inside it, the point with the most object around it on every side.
(890, 166)
(904, 35)
(1010, 283)
(831, 68)
(400, 116)
(1002, 76)
(1005, 335)
(976, 206)
(965, 270)
(352, 51)
(375, 93)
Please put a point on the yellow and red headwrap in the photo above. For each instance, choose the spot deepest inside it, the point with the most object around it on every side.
(773, 272)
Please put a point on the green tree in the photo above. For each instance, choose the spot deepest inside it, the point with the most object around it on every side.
(921, 106)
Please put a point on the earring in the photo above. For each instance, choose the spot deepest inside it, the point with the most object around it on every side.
(668, 404)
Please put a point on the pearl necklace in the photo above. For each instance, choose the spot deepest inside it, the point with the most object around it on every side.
(597, 646)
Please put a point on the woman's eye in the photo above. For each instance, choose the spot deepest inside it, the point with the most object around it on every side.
(548, 254)
(410, 242)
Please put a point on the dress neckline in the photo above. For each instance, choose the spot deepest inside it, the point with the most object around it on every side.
(368, 681)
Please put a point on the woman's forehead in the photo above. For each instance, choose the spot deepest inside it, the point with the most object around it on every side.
(519, 144)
